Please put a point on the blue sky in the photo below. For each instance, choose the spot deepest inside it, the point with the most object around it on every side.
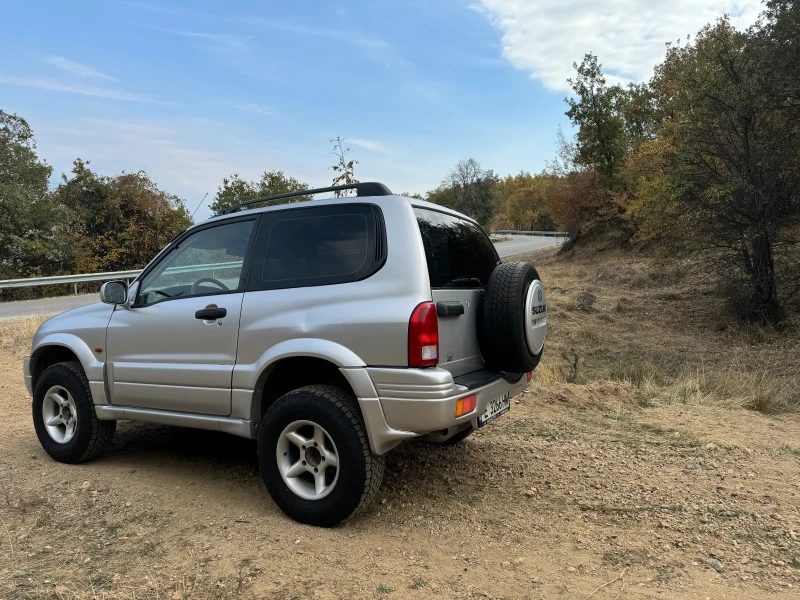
(194, 91)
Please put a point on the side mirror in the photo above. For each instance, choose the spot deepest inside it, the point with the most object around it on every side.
(114, 292)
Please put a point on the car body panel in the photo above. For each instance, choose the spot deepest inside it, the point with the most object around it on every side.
(165, 358)
(81, 330)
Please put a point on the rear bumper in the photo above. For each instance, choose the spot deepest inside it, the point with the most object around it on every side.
(422, 401)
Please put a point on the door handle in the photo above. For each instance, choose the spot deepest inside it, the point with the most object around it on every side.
(211, 314)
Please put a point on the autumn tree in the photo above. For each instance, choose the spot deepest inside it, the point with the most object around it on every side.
(235, 190)
(120, 222)
(523, 201)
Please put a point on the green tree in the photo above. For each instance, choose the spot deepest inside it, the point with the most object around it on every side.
(32, 222)
(120, 222)
(468, 188)
(235, 190)
(778, 32)
(732, 159)
(594, 111)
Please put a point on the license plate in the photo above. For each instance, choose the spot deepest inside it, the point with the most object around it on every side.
(496, 407)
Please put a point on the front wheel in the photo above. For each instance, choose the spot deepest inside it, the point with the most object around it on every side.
(315, 458)
(64, 417)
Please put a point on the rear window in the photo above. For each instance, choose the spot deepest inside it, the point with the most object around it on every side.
(458, 252)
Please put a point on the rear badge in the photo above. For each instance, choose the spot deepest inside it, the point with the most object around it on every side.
(449, 357)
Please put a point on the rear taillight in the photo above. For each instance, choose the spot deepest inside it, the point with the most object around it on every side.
(423, 336)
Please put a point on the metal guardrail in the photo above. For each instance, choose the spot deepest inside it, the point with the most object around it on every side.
(541, 233)
(108, 276)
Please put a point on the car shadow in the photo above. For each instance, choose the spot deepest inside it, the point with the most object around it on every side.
(220, 463)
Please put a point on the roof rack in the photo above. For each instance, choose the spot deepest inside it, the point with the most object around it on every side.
(368, 188)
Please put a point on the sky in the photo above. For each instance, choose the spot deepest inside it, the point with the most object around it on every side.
(192, 92)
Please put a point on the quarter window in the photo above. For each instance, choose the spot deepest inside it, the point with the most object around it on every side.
(458, 252)
(325, 245)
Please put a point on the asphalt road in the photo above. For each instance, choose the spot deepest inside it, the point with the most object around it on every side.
(29, 308)
(525, 243)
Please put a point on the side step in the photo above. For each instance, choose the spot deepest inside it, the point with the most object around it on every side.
(240, 427)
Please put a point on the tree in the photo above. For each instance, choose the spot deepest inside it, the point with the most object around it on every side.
(524, 202)
(574, 199)
(32, 223)
(120, 222)
(778, 32)
(468, 188)
(601, 130)
(732, 154)
(235, 190)
(344, 170)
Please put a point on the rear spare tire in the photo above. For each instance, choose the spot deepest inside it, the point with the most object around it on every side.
(513, 321)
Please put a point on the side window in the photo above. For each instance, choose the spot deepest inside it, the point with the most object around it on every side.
(317, 246)
(458, 252)
(209, 261)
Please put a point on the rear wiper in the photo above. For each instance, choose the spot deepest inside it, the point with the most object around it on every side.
(464, 282)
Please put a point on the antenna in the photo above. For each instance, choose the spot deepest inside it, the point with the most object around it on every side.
(199, 205)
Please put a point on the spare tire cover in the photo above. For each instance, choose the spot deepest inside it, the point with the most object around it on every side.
(513, 320)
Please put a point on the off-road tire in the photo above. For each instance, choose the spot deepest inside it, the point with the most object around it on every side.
(360, 471)
(501, 328)
(92, 436)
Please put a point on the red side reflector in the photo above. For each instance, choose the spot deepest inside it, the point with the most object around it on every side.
(423, 336)
(529, 376)
(465, 405)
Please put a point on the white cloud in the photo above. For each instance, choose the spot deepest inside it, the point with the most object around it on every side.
(58, 86)
(370, 145)
(544, 37)
(77, 68)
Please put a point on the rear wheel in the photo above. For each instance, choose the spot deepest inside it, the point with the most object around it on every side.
(315, 458)
(64, 417)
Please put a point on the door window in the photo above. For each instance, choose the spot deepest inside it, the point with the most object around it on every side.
(209, 261)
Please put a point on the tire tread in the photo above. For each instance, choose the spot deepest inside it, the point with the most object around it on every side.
(101, 432)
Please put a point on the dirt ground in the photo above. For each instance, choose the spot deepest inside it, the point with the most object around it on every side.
(581, 484)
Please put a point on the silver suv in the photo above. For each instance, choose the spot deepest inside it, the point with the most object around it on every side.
(329, 331)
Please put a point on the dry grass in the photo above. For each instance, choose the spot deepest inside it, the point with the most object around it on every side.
(16, 334)
(662, 330)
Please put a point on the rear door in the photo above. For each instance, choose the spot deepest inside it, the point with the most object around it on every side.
(460, 260)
